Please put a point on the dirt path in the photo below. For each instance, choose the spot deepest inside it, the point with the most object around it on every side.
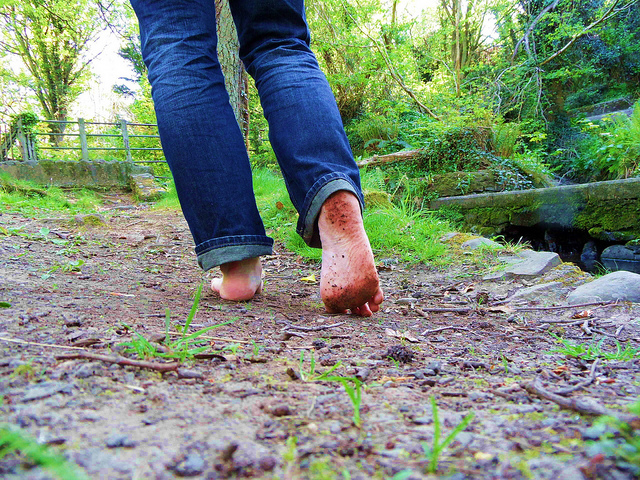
(236, 413)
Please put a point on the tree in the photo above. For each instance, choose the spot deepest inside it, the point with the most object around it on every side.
(462, 23)
(52, 40)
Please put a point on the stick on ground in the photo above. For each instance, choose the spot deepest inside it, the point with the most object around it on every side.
(159, 367)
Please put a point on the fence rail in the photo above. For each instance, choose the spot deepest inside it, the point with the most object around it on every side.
(81, 135)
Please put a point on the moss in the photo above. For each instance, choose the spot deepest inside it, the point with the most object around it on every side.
(614, 215)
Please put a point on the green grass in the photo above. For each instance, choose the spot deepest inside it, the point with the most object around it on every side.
(14, 440)
(587, 351)
(393, 231)
(433, 453)
(185, 347)
(32, 200)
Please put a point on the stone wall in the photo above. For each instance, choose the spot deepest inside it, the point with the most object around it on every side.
(604, 209)
(98, 173)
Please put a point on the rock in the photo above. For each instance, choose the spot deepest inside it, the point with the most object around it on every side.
(186, 373)
(193, 464)
(267, 463)
(406, 301)
(621, 257)
(145, 188)
(376, 198)
(46, 389)
(281, 411)
(120, 440)
(477, 395)
(88, 370)
(535, 292)
(476, 243)
(612, 236)
(620, 286)
(362, 373)
(91, 219)
(589, 255)
(526, 264)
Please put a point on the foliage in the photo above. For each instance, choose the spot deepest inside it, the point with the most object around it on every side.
(14, 440)
(52, 39)
(620, 441)
(434, 451)
(30, 199)
(185, 347)
(587, 351)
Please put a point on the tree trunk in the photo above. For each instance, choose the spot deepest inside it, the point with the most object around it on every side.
(235, 76)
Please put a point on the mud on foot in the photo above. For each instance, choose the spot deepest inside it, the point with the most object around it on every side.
(349, 279)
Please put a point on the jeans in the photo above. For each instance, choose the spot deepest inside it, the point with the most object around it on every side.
(202, 141)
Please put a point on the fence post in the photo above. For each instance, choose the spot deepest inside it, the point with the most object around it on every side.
(125, 138)
(26, 149)
(83, 140)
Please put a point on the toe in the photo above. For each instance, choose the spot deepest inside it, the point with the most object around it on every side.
(216, 284)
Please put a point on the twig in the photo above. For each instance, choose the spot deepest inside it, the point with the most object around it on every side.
(585, 327)
(288, 334)
(585, 383)
(448, 309)
(587, 406)
(560, 307)
(316, 329)
(23, 342)
(159, 367)
(441, 329)
(133, 223)
(421, 312)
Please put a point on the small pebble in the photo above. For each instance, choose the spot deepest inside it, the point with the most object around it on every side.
(118, 440)
(281, 411)
(267, 463)
(192, 465)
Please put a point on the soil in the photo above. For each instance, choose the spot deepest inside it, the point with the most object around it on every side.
(245, 409)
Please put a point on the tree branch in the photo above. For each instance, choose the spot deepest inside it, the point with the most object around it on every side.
(525, 37)
(608, 14)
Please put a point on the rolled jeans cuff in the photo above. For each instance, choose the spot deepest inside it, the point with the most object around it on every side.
(213, 253)
(308, 222)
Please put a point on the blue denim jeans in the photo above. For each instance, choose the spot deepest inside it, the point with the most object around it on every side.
(202, 141)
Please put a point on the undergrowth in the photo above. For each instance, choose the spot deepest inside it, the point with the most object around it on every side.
(32, 200)
(15, 441)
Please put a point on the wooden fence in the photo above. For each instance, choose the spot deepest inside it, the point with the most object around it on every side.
(121, 140)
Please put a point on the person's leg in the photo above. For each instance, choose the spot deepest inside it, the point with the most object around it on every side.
(202, 141)
(308, 137)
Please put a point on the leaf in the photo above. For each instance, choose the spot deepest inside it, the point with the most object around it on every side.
(401, 335)
(5, 305)
(310, 279)
(582, 314)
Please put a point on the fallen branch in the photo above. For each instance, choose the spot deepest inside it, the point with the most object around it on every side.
(390, 158)
(585, 405)
(159, 367)
(585, 383)
(441, 329)
(560, 307)
(316, 329)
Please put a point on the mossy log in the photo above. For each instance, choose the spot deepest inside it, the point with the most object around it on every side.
(391, 158)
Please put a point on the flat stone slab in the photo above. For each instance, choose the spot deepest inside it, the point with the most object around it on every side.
(620, 286)
(526, 264)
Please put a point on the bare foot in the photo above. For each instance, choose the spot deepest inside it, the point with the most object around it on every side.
(349, 280)
(240, 280)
